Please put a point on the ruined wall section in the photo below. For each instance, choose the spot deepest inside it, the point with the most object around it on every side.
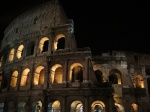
(33, 22)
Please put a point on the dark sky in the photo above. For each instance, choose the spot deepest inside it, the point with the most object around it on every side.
(101, 25)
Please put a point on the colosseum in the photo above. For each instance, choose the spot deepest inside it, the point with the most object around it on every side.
(42, 70)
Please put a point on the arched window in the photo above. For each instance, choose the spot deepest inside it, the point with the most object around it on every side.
(14, 79)
(98, 75)
(1, 107)
(56, 74)
(19, 51)
(37, 106)
(98, 106)
(43, 45)
(59, 42)
(119, 107)
(24, 77)
(115, 76)
(39, 75)
(139, 81)
(135, 107)
(30, 48)
(54, 106)
(11, 55)
(76, 106)
(76, 72)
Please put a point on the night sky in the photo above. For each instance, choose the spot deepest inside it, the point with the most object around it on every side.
(101, 25)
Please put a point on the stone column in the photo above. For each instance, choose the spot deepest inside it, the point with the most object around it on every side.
(111, 104)
(63, 105)
(65, 77)
(86, 71)
(86, 105)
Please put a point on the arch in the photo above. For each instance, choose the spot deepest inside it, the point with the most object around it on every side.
(76, 106)
(115, 76)
(21, 107)
(76, 72)
(119, 107)
(97, 106)
(139, 81)
(99, 75)
(43, 45)
(39, 75)
(30, 48)
(37, 106)
(1, 107)
(11, 55)
(59, 42)
(56, 74)
(19, 51)
(134, 107)
(54, 106)
(14, 79)
(24, 77)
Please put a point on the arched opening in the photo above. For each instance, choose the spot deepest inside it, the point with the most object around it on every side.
(115, 76)
(30, 48)
(59, 42)
(43, 45)
(1, 107)
(14, 79)
(76, 73)
(113, 79)
(21, 107)
(76, 106)
(39, 75)
(98, 106)
(19, 51)
(37, 106)
(98, 75)
(119, 107)
(24, 77)
(54, 106)
(139, 81)
(134, 107)
(11, 55)
(56, 74)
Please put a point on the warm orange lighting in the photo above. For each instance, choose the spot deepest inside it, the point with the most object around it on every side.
(14, 79)
(11, 55)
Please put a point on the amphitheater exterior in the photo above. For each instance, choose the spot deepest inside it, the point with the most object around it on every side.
(43, 70)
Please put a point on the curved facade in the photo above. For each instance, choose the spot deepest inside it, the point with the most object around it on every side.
(42, 70)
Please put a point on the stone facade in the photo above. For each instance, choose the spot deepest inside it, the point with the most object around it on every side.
(42, 70)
